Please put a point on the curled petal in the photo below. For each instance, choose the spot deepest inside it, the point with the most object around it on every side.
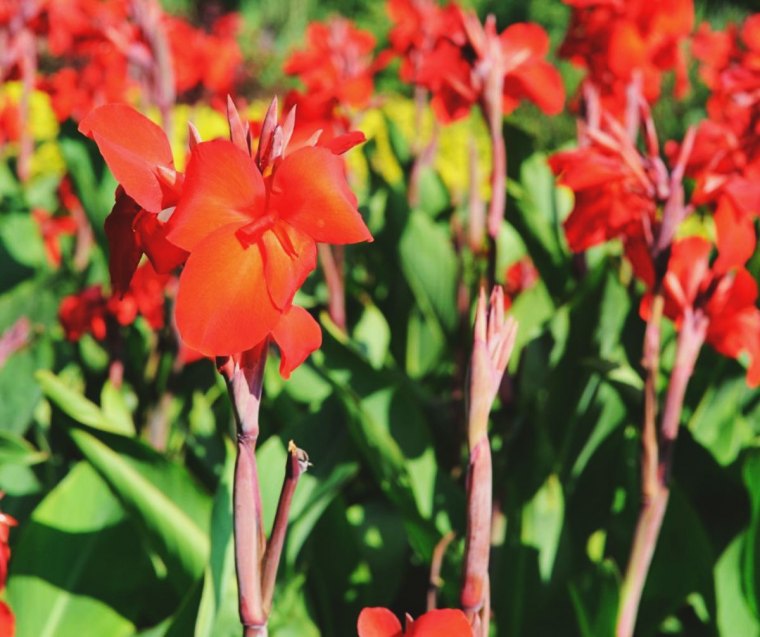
(297, 335)
(378, 622)
(310, 192)
(539, 82)
(222, 186)
(223, 306)
(133, 147)
(123, 244)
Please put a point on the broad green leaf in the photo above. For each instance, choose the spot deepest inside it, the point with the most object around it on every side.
(430, 266)
(160, 495)
(22, 239)
(734, 616)
(218, 610)
(542, 520)
(373, 335)
(63, 581)
(77, 407)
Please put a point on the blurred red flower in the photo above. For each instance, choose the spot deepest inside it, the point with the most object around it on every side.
(475, 64)
(617, 40)
(52, 229)
(724, 297)
(446, 622)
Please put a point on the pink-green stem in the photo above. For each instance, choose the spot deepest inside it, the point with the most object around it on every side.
(331, 259)
(478, 539)
(244, 384)
(296, 463)
(434, 582)
(653, 507)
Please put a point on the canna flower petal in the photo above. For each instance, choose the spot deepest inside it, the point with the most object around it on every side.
(310, 192)
(123, 245)
(222, 186)
(445, 622)
(289, 257)
(222, 307)
(133, 148)
(538, 82)
(297, 335)
(378, 622)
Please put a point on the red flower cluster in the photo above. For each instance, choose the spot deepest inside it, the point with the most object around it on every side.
(337, 69)
(245, 225)
(91, 312)
(470, 63)
(726, 157)
(622, 41)
(723, 298)
(102, 50)
(380, 622)
(617, 190)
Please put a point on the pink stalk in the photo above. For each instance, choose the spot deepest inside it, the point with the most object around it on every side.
(14, 338)
(653, 508)
(244, 384)
(435, 582)
(296, 464)
(493, 341)
(332, 268)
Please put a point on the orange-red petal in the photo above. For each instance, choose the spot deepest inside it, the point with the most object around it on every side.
(311, 193)
(223, 306)
(123, 244)
(445, 622)
(378, 622)
(289, 257)
(297, 335)
(133, 147)
(222, 186)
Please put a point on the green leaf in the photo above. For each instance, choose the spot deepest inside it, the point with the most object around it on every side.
(542, 520)
(63, 581)
(430, 266)
(734, 616)
(751, 554)
(160, 495)
(16, 450)
(77, 407)
(22, 239)
(218, 610)
(373, 335)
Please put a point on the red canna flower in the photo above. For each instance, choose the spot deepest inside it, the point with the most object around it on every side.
(250, 226)
(619, 41)
(475, 64)
(724, 298)
(337, 64)
(615, 193)
(7, 620)
(380, 622)
(138, 153)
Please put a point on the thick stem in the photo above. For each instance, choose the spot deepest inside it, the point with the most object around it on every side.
(249, 540)
(498, 202)
(478, 538)
(244, 384)
(332, 268)
(296, 464)
(690, 339)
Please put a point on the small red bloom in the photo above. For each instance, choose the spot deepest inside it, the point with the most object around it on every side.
(380, 622)
(89, 312)
(52, 229)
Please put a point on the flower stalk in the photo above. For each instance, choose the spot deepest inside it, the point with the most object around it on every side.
(493, 342)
